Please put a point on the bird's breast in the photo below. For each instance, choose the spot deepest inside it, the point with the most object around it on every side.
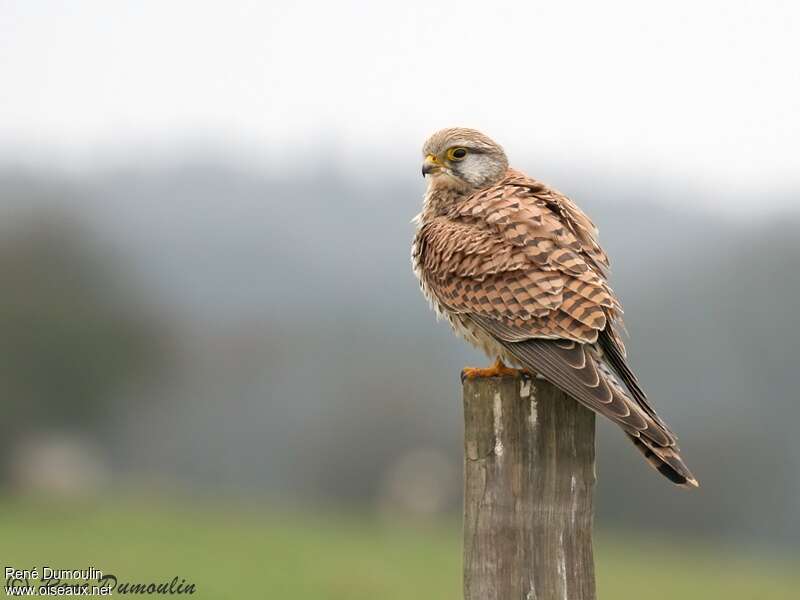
(461, 324)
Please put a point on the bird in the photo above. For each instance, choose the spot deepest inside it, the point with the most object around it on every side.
(517, 270)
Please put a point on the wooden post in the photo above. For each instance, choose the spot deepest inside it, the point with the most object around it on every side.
(529, 479)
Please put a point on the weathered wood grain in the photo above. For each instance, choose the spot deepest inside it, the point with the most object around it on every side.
(529, 483)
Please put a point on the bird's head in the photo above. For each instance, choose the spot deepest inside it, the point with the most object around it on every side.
(463, 159)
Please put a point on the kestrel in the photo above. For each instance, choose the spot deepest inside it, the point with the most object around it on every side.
(516, 268)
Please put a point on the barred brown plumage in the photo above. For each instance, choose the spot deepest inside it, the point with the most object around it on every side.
(516, 268)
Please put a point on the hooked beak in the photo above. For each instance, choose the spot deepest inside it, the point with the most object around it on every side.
(431, 165)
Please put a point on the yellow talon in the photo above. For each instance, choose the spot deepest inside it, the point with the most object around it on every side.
(498, 369)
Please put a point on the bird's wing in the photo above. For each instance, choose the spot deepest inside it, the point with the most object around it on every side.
(524, 255)
(522, 262)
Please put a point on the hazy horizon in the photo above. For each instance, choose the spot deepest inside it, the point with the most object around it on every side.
(706, 94)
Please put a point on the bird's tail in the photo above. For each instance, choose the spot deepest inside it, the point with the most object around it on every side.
(666, 461)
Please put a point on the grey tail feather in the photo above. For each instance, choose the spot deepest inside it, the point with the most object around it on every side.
(666, 461)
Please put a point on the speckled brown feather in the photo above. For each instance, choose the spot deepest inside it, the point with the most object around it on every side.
(520, 263)
(520, 251)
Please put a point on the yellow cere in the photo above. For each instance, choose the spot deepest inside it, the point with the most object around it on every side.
(432, 158)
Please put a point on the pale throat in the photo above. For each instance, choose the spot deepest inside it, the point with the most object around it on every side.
(443, 192)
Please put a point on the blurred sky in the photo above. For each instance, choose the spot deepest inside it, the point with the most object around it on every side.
(707, 92)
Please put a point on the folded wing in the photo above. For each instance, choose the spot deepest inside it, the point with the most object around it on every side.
(522, 263)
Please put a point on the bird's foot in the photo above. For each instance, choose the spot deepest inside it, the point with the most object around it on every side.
(498, 369)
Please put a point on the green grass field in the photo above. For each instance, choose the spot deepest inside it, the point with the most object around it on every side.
(248, 553)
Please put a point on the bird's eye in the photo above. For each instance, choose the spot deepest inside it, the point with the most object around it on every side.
(456, 153)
